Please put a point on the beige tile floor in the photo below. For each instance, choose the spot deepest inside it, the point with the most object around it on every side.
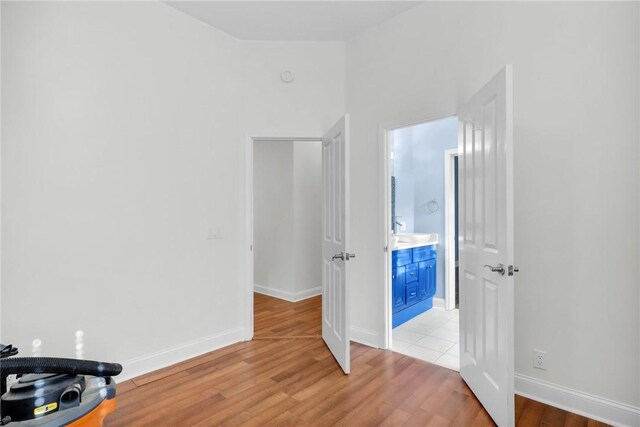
(431, 336)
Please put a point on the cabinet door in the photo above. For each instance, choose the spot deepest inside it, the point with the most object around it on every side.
(397, 283)
(423, 278)
(431, 277)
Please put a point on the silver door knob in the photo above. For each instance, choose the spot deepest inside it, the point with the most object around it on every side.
(339, 256)
(499, 269)
(349, 256)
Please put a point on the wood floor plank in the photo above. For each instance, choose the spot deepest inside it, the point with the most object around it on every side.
(575, 420)
(274, 317)
(288, 377)
(125, 386)
(397, 418)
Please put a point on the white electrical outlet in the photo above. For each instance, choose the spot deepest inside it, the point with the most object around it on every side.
(540, 359)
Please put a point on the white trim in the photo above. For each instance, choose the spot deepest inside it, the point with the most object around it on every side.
(170, 356)
(449, 230)
(588, 405)
(248, 240)
(365, 336)
(384, 205)
(384, 185)
(288, 296)
(250, 138)
(439, 303)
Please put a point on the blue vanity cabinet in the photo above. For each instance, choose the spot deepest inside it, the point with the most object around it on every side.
(413, 282)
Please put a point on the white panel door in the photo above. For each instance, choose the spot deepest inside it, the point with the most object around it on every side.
(335, 237)
(485, 176)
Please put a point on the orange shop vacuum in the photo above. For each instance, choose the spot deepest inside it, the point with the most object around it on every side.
(52, 391)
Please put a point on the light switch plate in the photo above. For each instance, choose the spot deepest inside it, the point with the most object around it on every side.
(216, 232)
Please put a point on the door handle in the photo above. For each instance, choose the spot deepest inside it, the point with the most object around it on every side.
(343, 256)
(499, 269)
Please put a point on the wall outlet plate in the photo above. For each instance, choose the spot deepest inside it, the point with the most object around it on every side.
(540, 359)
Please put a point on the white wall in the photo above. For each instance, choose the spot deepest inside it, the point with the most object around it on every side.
(576, 68)
(114, 137)
(308, 106)
(273, 216)
(1, 339)
(123, 144)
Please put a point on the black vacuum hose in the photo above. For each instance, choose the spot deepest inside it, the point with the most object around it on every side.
(57, 365)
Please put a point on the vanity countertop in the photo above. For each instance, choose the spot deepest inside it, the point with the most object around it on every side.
(412, 240)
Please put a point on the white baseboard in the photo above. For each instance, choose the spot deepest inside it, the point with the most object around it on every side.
(595, 407)
(161, 359)
(288, 296)
(365, 336)
(438, 302)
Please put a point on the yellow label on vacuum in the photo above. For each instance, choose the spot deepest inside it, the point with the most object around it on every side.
(45, 408)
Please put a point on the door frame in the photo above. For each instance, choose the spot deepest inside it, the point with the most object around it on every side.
(385, 139)
(250, 139)
(449, 230)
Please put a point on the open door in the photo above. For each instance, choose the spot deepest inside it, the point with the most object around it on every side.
(485, 177)
(335, 237)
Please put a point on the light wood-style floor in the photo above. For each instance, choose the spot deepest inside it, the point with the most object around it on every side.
(274, 317)
(287, 377)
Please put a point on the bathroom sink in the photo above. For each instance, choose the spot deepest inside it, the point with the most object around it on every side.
(412, 240)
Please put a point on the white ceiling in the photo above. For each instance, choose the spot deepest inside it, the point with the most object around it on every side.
(293, 20)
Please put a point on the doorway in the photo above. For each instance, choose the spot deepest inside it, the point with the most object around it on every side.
(284, 225)
(486, 244)
(422, 206)
(334, 238)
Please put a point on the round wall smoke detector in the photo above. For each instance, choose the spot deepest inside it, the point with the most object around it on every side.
(287, 76)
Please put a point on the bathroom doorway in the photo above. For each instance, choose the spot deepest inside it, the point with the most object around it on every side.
(422, 240)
